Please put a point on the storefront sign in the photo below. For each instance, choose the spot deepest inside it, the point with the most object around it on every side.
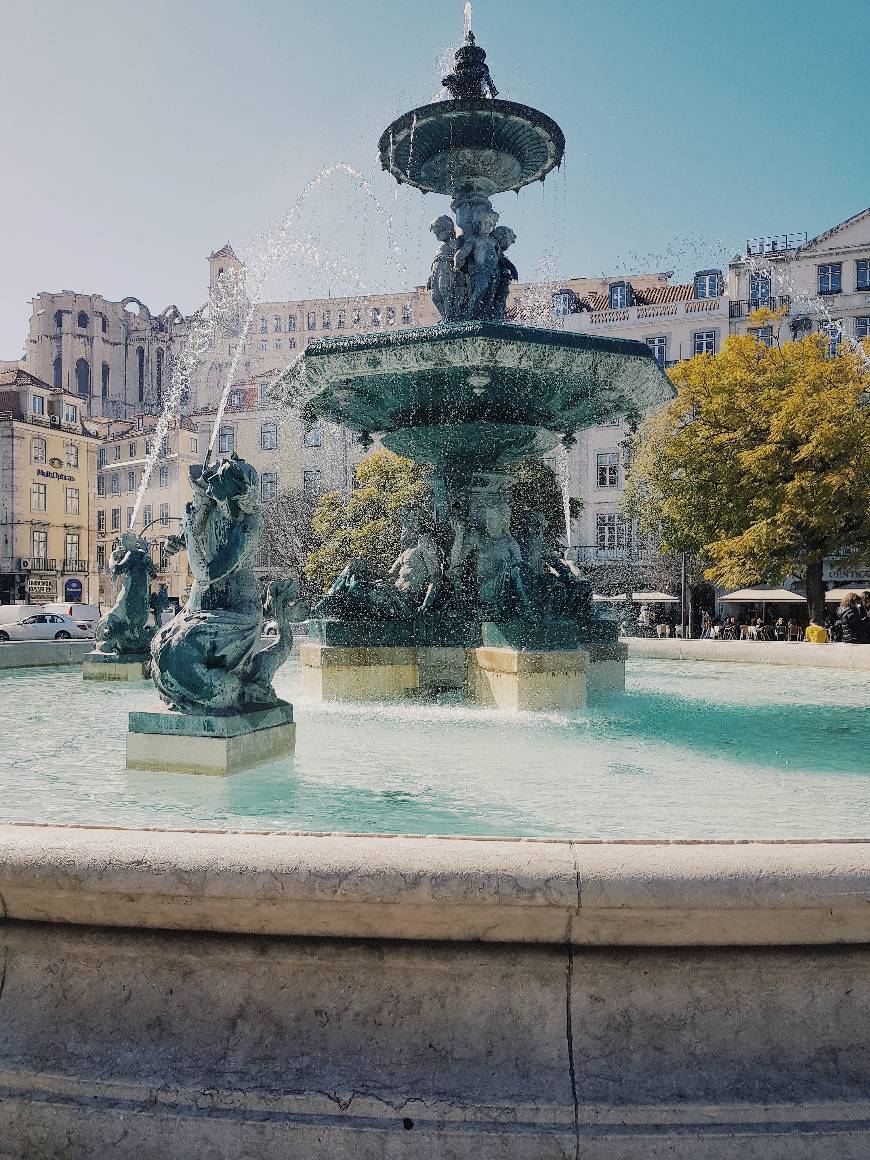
(72, 590)
(42, 586)
(55, 475)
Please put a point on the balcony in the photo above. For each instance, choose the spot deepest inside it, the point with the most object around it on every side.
(38, 564)
(744, 309)
(777, 244)
(75, 566)
(599, 321)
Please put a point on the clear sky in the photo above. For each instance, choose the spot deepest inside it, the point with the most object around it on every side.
(136, 137)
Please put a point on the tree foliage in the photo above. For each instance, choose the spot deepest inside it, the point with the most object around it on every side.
(535, 488)
(286, 536)
(365, 523)
(761, 463)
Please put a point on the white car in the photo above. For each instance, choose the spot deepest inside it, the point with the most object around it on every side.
(46, 626)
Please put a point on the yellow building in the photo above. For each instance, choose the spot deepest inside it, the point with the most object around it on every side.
(48, 467)
(123, 455)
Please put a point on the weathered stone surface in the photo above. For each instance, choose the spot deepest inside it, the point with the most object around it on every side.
(34, 653)
(111, 667)
(357, 674)
(834, 656)
(185, 743)
(522, 680)
(187, 725)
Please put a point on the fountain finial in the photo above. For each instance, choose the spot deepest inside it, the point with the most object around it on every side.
(470, 79)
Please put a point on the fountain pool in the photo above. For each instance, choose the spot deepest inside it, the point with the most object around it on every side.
(692, 750)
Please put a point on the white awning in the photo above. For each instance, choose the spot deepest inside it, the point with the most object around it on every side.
(608, 599)
(763, 595)
(654, 598)
(835, 595)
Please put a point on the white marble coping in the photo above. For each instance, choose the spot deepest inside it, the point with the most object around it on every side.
(352, 886)
(854, 657)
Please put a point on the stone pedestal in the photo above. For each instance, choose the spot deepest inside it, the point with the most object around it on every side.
(358, 674)
(99, 666)
(182, 743)
(510, 679)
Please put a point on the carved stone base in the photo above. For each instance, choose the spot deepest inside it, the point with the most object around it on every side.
(182, 743)
(509, 679)
(108, 667)
(358, 674)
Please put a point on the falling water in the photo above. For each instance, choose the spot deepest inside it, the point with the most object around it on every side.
(467, 11)
(563, 472)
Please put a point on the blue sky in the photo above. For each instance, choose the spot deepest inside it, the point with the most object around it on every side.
(137, 137)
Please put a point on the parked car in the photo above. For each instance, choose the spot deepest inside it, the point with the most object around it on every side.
(46, 626)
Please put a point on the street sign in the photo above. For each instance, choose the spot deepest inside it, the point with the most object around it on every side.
(72, 590)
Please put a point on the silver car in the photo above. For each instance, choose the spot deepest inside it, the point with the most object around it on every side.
(46, 626)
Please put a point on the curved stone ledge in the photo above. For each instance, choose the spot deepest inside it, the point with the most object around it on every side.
(450, 889)
(854, 657)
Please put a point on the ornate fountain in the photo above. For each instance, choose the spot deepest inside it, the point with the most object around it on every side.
(467, 398)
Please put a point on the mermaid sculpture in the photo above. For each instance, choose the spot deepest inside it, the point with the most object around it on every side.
(209, 660)
(124, 631)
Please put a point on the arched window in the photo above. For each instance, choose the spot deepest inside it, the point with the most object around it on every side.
(105, 380)
(58, 373)
(159, 376)
(104, 324)
(140, 359)
(269, 435)
(82, 320)
(58, 320)
(83, 378)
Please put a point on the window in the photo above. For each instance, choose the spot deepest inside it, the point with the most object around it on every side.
(862, 327)
(194, 445)
(759, 289)
(159, 375)
(264, 344)
(269, 435)
(236, 399)
(619, 295)
(311, 482)
(39, 544)
(82, 320)
(164, 476)
(862, 274)
(704, 341)
(105, 380)
(659, 347)
(83, 378)
(58, 373)
(356, 318)
(131, 450)
(130, 517)
(247, 366)
(147, 515)
(277, 344)
(37, 450)
(268, 485)
(276, 323)
(37, 404)
(326, 321)
(312, 320)
(611, 532)
(164, 514)
(341, 320)
(70, 413)
(391, 316)
(101, 557)
(37, 497)
(831, 278)
(116, 484)
(101, 521)
(291, 343)
(72, 501)
(264, 326)
(376, 316)
(72, 454)
(101, 485)
(833, 330)
(104, 325)
(708, 284)
(764, 335)
(291, 321)
(608, 468)
(312, 436)
(131, 481)
(117, 451)
(407, 316)
(140, 371)
(101, 458)
(73, 549)
(58, 320)
(563, 302)
(226, 440)
(116, 519)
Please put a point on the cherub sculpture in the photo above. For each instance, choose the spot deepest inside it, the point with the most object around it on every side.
(124, 631)
(478, 258)
(445, 283)
(209, 660)
(504, 237)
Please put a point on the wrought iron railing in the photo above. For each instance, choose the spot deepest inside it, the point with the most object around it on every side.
(744, 309)
(75, 565)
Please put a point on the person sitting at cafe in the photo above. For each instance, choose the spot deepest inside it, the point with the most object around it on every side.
(816, 633)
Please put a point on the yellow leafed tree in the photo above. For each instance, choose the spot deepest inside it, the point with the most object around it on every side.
(761, 463)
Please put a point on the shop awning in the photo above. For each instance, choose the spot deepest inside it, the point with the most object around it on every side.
(654, 598)
(763, 595)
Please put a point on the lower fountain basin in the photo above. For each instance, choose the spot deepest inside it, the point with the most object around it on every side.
(507, 390)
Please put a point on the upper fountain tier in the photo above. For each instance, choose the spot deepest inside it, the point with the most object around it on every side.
(474, 143)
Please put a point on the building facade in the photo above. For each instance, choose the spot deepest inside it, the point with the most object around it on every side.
(48, 470)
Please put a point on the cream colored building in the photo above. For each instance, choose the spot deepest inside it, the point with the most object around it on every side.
(48, 470)
(123, 456)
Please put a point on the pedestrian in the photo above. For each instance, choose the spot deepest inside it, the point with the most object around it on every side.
(780, 631)
(864, 609)
(706, 625)
(850, 620)
(816, 633)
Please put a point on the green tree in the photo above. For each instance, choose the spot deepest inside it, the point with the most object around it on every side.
(535, 488)
(761, 463)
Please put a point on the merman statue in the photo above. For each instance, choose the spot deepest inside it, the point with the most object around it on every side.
(209, 660)
(124, 631)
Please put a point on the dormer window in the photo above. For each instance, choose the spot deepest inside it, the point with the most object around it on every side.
(620, 295)
(708, 284)
(564, 303)
(759, 289)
